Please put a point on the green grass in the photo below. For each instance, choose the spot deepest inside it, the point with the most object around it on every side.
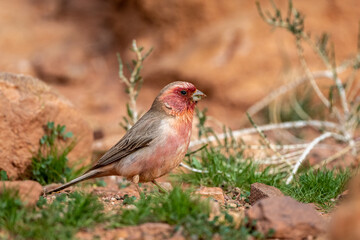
(227, 171)
(182, 209)
(59, 220)
(50, 163)
(318, 187)
(11, 210)
(66, 215)
(3, 176)
(231, 170)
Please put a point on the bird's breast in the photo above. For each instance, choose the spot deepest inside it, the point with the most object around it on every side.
(162, 155)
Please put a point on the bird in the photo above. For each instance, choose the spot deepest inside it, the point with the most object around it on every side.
(155, 144)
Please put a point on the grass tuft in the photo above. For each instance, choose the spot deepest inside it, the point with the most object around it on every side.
(3, 176)
(227, 171)
(49, 164)
(59, 220)
(231, 170)
(318, 186)
(185, 211)
(11, 210)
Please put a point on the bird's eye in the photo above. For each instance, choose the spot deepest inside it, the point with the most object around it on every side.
(183, 92)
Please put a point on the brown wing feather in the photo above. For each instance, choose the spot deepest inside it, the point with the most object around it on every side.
(139, 136)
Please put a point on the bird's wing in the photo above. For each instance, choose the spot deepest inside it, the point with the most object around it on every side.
(139, 136)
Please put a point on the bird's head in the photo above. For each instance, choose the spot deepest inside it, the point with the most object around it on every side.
(178, 98)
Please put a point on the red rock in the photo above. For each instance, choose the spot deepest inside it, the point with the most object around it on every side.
(212, 192)
(289, 218)
(260, 191)
(345, 223)
(146, 231)
(29, 191)
(343, 195)
(26, 105)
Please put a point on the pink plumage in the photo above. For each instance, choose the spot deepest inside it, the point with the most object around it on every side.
(156, 144)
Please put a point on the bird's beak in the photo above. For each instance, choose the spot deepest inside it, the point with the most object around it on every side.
(198, 95)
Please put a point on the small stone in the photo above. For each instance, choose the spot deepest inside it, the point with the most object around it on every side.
(343, 195)
(29, 191)
(214, 209)
(213, 192)
(232, 205)
(130, 206)
(289, 218)
(166, 185)
(260, 191)
(237, 216)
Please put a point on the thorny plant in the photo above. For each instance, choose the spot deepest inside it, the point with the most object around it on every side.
(133, 83)
(342, 103)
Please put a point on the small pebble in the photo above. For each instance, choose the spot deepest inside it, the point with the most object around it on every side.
(232, 205)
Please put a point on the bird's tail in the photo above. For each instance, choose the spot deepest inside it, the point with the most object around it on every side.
(91, 174)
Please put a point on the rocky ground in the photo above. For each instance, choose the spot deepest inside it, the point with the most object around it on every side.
(266, 204)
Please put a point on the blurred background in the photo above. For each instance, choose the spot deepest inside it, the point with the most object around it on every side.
(223, 47)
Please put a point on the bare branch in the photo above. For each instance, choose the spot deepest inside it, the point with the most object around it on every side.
(269, 127)
(309, 148)
(286, 88)
(193, 169)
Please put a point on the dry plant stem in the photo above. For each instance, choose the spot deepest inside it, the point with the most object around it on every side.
(287, 147)
(133, 83)
(267, 142)
(333, 75)
(269, 127)
(286, 88)
(310, 75)
(289, 161)
(132, 92)
(302, 35)
(333, 157)
(200, 171)
(309, 148)
(347, 131)
(354, 89)
(277, 160)
(193, 169)
(299, 109)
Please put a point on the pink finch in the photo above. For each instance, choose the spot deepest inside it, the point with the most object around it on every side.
(156, 143)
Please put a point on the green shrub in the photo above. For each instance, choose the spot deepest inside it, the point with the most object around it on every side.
(184, 210)
(318, 186)
(50, 163)
(59, 220)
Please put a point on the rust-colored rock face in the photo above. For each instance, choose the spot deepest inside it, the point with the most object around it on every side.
(260, 191)
(224, 47)
(26, 105)
(345, 223)
(287, 217)
(147, 231)
(215, 193)
(29, 191)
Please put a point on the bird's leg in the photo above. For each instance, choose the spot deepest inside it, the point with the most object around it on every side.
(135, 180)
(159, 186)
